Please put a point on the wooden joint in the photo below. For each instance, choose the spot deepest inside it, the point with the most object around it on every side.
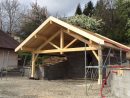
(73, 41)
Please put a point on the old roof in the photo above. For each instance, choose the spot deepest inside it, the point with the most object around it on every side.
(52, 25)
(6, 41)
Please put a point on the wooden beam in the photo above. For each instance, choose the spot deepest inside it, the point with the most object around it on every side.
(90, 42)
(54, 45)
(50, 22)
(76, 36)
(33, 66)
(66, 50)
(100, 65)
(114, 42)
(40, 37)
(61, 41)
(27, 49)
(73, 41)
(95, 54)
(108, 45)
(47, 41)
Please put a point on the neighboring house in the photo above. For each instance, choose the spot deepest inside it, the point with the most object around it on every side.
(8, 58)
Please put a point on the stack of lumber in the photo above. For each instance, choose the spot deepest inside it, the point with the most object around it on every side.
(53, 60)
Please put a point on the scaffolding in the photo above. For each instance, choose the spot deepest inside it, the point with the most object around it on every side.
(92, 73)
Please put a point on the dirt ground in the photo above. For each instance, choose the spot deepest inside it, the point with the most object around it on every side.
(21, 87)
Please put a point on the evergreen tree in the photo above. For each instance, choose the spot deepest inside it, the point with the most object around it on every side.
(88, 10)
(78, 10)
(115, 15)
(100, 9)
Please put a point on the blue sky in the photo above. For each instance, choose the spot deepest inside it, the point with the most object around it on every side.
(60, 7)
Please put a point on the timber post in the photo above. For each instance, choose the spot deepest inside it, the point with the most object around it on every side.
(100, 65)
(33, 66)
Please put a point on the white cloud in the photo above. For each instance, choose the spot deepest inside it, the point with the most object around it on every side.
(62, 7)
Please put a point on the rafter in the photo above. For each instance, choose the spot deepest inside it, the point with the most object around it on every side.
(73, 41)
(47, 41)
(26, 49)
(76, 36)
(40, 37)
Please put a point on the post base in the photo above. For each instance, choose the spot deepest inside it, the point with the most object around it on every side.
(99, 81)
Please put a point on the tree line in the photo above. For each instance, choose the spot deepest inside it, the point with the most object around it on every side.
(110, 18)
(20, 20)
(115, 15)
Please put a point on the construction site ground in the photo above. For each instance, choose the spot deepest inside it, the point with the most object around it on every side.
(22, 87)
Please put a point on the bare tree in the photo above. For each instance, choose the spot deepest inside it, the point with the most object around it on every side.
(11, 14)
(1, 17)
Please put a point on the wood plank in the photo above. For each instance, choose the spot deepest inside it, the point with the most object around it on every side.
(45, 39)
(73, 41)
(108, 45)
(95, 54)
(77, 36)
(33, 66)
(100, 65)
(114, 42)
(40, 37)
(93, 51)
(27, 49)
(54, 45)
(66, 50)
(61, 41)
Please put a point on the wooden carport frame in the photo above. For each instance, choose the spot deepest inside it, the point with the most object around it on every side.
(61, 49)
(94, 43)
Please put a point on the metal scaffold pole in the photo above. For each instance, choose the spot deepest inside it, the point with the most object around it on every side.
(120, 56)
(85, 58)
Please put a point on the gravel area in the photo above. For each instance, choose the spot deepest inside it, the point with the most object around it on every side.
(21, 87)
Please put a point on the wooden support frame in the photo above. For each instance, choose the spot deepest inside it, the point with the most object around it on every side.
(80, 38)
(68, 45)
(95, 54)
(65, 50)
(93, 51)
(54, 45)
(47, 41)
(76, 36)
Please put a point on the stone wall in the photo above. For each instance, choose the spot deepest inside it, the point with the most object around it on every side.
(57, 71)
(120, 84)
(74, 67)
